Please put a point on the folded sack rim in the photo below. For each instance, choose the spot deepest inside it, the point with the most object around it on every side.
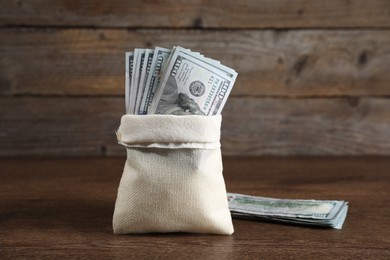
(170, 131)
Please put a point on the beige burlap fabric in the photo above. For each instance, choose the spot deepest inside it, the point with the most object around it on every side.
(172, 180)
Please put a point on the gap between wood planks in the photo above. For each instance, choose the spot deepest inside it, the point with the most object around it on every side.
(201, 28)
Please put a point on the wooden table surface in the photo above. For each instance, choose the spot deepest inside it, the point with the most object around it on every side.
(52, 208)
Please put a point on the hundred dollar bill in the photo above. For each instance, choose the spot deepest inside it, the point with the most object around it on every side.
(144, 74)
(192, 84)
(134, 84)
(159, 58)
(137, 79)
(128, 75)
(308, 212)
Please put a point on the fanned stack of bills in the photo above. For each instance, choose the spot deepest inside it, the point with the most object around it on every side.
(176, 81)
(323, 213)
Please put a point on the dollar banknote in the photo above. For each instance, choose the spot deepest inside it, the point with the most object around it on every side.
(134, 79)
(128, 77)
(160, 57)
(145, 69)
(326, 213)
(192, 84)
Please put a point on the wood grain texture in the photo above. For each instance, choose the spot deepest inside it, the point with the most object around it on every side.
(198, 13)
(59, 126)
(350, 126)
(251, 126)
(303, 63)
(62, 208)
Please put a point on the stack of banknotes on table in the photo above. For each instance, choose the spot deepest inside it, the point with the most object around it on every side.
(179, 81)
(175, 81)
(325, 213)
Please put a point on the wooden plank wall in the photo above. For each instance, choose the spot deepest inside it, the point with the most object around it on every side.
(314, 76)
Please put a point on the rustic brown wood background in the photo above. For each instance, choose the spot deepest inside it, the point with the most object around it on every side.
(314, 76)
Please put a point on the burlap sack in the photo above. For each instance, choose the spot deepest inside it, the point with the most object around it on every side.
(172, 180)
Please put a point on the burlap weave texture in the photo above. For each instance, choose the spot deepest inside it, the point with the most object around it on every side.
(172, 179)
